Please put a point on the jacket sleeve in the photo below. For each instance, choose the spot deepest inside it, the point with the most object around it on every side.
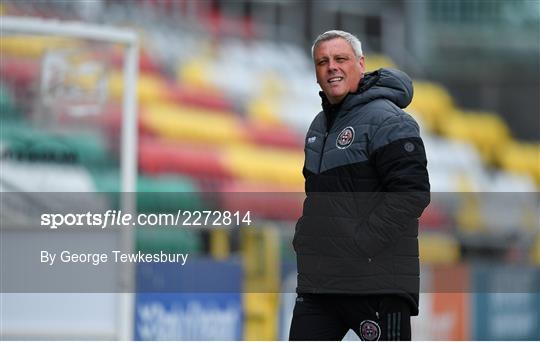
(398, 155)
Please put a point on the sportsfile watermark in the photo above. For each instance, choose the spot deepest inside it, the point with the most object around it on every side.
(117, 218)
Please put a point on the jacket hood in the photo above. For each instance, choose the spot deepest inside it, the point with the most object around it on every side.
(385, 83)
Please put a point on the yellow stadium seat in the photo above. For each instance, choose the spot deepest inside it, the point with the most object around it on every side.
(195, 73)
(432, 103)
(273, 166)
(192, 125)
(271, 86)
(490, 134)
(262, 108)
(150, 88)
(376, 61)
(484, 130)
(438, 249)
(181, 109)
(32, 46)
(263, 111)
(469, 216)
(521, 158)
(456, 127)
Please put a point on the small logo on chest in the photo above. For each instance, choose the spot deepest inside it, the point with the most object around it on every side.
(345, 138)
(311, 140)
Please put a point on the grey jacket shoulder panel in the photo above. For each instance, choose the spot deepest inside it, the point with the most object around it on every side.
(374, 125)
(390, 123)
(394, 128)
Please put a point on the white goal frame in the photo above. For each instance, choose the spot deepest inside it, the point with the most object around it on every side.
(128, 155)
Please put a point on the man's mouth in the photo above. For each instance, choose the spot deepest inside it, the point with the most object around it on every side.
(335, 79)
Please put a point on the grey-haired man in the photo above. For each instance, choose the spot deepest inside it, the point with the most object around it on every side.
(366, 186)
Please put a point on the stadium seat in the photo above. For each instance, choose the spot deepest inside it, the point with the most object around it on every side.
(192, 97)
(165, 193)
(195, 125)
(33, 46)
(158, 156)
(19, 72)
(8, 109)
(484, 130)
(377, 61)
(265, 165)
(168, 240)
(195, 73)
(521, 158)
(108, 121)
(263, 111)
(432, 103)
(265, 200)
(150, 88)
(438, 248)
(146, 64)
(191, 125)
(280, 136)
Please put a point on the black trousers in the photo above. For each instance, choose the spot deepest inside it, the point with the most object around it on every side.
(329, 317)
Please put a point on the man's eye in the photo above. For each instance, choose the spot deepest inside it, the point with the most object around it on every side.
(322, 62)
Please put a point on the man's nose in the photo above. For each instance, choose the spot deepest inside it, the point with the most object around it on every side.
(332, 66)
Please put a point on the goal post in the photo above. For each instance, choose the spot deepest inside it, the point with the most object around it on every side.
(128, 140)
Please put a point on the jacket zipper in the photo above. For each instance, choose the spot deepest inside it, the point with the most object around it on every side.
(322, 151)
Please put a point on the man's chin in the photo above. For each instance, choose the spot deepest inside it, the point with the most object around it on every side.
(335, 97)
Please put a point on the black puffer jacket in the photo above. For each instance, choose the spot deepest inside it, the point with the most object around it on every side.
(366, 186)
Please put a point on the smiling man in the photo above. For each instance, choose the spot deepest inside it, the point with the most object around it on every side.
(366, 186)
(339, 69)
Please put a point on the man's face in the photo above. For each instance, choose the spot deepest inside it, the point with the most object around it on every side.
(338, 69)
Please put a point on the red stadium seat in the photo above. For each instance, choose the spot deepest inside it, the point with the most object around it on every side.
(199, 98)
(266, 201)
(160, 156)
(279, 136)
(20, 72)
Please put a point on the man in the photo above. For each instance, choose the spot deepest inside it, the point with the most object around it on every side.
(366, 186)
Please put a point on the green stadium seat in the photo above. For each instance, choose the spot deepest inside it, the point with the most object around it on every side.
(8, 109)
(161, 194)
(168, 240)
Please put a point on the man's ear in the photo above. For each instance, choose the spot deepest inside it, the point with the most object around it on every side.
(362, 63)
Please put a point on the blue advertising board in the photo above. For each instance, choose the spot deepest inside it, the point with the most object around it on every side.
(200, 302)
(506, 303)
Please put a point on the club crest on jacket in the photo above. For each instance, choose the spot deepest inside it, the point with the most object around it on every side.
(369, 331)
(345, 138)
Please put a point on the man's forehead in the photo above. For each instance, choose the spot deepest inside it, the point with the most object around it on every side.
(334, 45)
